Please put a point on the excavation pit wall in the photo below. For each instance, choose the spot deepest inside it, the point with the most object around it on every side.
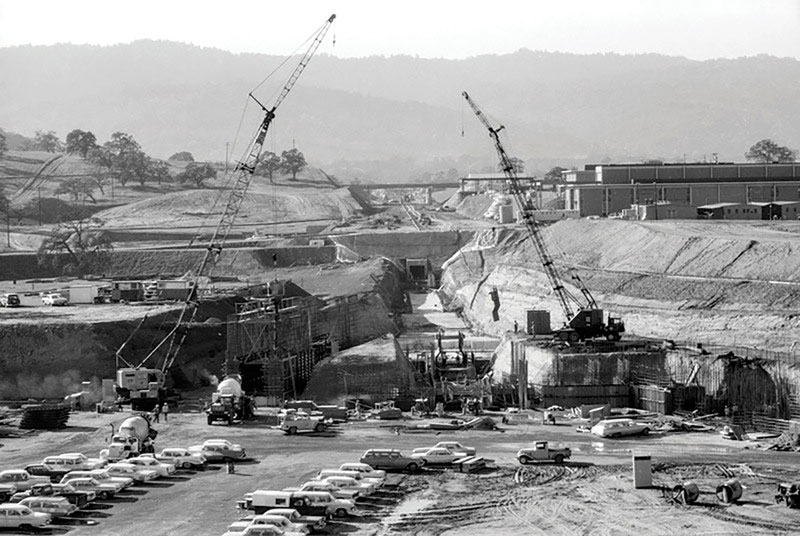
(760, 388)
(733, 284)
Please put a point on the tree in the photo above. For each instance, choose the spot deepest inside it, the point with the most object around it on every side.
(76, 246)
(78, 188)
(183, 156)
(768, 152)
(293, 162)
(554, 174)
(157, 171)
(197, 173)
(517, 163)
(3, 146)
(47, 141)
(268, 164)
(653, 162)
(125, 156)
(80, 142)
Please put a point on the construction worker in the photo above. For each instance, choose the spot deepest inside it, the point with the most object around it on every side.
(165, 410)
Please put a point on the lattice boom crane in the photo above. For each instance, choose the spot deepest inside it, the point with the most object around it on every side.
(244, 172)
(588, 321)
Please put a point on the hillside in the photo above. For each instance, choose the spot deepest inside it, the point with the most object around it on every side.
(397, 117)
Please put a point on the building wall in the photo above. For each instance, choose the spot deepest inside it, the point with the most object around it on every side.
(602, 200)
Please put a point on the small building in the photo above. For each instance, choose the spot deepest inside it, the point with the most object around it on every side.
(661, 211)
(729, 211)
(779, 210)
(127, 291)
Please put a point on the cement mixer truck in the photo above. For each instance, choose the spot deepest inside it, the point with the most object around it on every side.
(135, 436)
(229, 403)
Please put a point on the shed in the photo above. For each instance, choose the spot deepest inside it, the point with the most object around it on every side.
(729, 211)
(778, 210)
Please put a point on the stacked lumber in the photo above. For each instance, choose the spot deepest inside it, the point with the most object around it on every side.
(44, 416)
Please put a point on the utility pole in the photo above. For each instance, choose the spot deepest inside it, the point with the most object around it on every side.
(226, 157)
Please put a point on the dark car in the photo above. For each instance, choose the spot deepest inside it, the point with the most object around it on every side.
(10, 300)
(39, 469)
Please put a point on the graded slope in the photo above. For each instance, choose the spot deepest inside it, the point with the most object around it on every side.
(729, 283)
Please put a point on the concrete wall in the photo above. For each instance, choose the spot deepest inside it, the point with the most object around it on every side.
(434, 245)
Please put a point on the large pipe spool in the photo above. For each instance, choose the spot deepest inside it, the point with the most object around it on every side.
(686, 493)
(730, 491)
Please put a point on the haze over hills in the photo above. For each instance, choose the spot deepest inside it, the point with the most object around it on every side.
(395, 117)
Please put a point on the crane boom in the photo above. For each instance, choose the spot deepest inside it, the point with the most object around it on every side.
(527, 209)
(244, 174)
(588, 321)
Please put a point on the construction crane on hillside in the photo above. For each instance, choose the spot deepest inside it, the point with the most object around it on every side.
(148, 383)
(586, 320)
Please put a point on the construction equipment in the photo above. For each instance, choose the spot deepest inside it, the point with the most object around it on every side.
(134, 437)
(588, 321)
(130, 379)
(229, 403)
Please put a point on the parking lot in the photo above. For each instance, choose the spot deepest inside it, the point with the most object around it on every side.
(504, 499)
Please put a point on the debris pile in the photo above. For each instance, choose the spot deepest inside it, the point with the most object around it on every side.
(44, 417)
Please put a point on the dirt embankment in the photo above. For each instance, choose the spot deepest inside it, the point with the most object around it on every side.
(721, 282)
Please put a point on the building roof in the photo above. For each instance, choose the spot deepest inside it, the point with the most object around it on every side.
(720, 205)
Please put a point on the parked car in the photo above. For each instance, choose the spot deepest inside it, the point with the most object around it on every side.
(181, 457)
(21, 479)
(318, 501)
(366, 470)
(455, 446)
(37, 490)
(437, 456)
(18, 516)
(103, 491)
(10, 300)
(7, 491)
(40, 469)
(147, 462)
(53, 298)
(129, 470)
(219, 451)
(346, 482)
(312, 522)
(73, 461)
(55, 506)
(391, 459)
(254, 530)
(281, 522)
(355, 475)
(327, 487)
(541, 452)
(79, 498)
(614, 428)
(103, 476)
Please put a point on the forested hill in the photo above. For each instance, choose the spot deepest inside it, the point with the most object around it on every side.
(372, 115)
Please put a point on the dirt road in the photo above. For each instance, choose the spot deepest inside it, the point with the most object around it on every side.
(593, 494)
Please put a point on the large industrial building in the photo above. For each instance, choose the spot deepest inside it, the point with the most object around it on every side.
(602, 190)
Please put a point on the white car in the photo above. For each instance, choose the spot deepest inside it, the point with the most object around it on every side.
(146, 462)
(181, 457)
(364, 469)
(455, 446)
(254, 530)
(620, 427)
(55, 506)
(281, 522)
(14, 516)
(345, 482)
(53, 298)
(102, 476)
(139, 474)
(437, 455)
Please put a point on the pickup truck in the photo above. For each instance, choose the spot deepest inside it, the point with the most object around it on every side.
(21, 479)
(541, 452)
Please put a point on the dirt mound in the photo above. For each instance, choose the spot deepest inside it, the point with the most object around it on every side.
(194, 207)
(474, 206)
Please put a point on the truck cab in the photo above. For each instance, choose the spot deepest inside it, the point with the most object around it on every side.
(541, 452)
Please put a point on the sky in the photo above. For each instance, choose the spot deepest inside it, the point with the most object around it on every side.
(696, 29)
